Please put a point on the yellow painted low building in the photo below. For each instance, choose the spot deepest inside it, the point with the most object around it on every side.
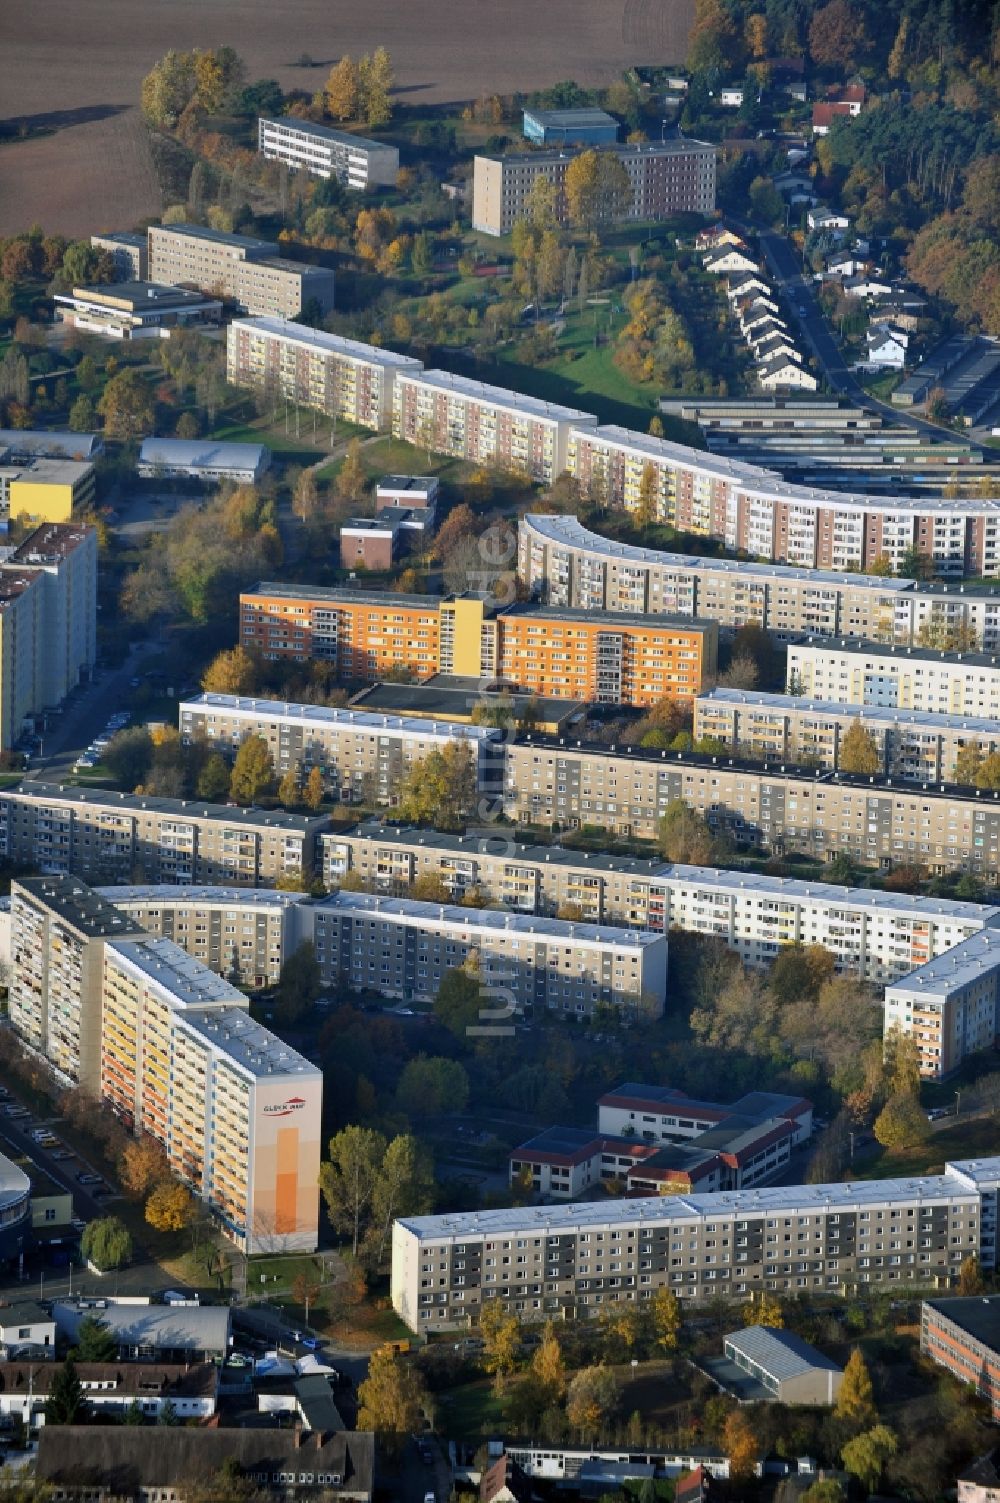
(47, 490)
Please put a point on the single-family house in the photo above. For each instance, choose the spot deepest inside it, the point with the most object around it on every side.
(729, 258)
(746, 284)
(732, 97)
(764, 316)
(824, 220)
(868, 284)
(774, 344)
(26, 1324)
(715, 236)
(887, 347)
(782, 371)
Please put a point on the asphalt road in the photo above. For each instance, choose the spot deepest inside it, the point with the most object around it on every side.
(86, 714)
(800, 294)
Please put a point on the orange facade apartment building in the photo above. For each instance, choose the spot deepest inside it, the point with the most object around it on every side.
(552, 651)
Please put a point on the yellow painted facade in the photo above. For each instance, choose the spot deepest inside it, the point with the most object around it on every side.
(43, 503)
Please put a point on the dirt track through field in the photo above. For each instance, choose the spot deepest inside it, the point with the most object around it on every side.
(78, 64)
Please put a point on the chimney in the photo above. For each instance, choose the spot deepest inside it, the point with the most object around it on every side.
(297, 1441)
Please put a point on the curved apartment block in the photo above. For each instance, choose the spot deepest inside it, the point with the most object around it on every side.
(755, 510)
(564, 563)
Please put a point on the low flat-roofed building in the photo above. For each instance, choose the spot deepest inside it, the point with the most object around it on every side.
(204, 459)
(242, 268)
(376, 542)
(148, 1332)
(136, 310)
(963, 1335)
(139, 1464)
(582, 127)
(454, 698)
(414, 491)
(782, 1367)
(43, 489)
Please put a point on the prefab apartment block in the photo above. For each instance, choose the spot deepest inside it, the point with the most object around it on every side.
(354, 161)
(338, 377)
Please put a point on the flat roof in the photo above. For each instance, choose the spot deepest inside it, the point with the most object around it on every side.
(678, 146)
(248, 1044)
(754, 698)
(121, 237)
(961, 966)
(343, 594)
(49, 543)
(203, 453)
(895, 653)
(189, 982)
(391, 483)
(46, 471)
(169, 808)
(568, 118)
(76, 904)
(447, 915)
(765, 772)
(479, 843)
(327, 717)
(172, 896)
(955, 1183)
(780, 1353)
(753, 481)
(499, 396)
(831, 893)
(325, 132)
(219, 237)
(572, 533)
(650, 620)
(454, 694)
(977, 1315)
(288, 263)
(141, 294)
(326, 344)
(14, 582)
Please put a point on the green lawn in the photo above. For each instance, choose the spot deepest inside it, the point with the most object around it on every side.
(471, 1412)
(584, 376)
(975, 1137)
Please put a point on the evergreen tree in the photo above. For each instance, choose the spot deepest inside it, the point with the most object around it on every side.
(65, 1405)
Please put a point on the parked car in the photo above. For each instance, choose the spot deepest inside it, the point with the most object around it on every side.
(86, 1178)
